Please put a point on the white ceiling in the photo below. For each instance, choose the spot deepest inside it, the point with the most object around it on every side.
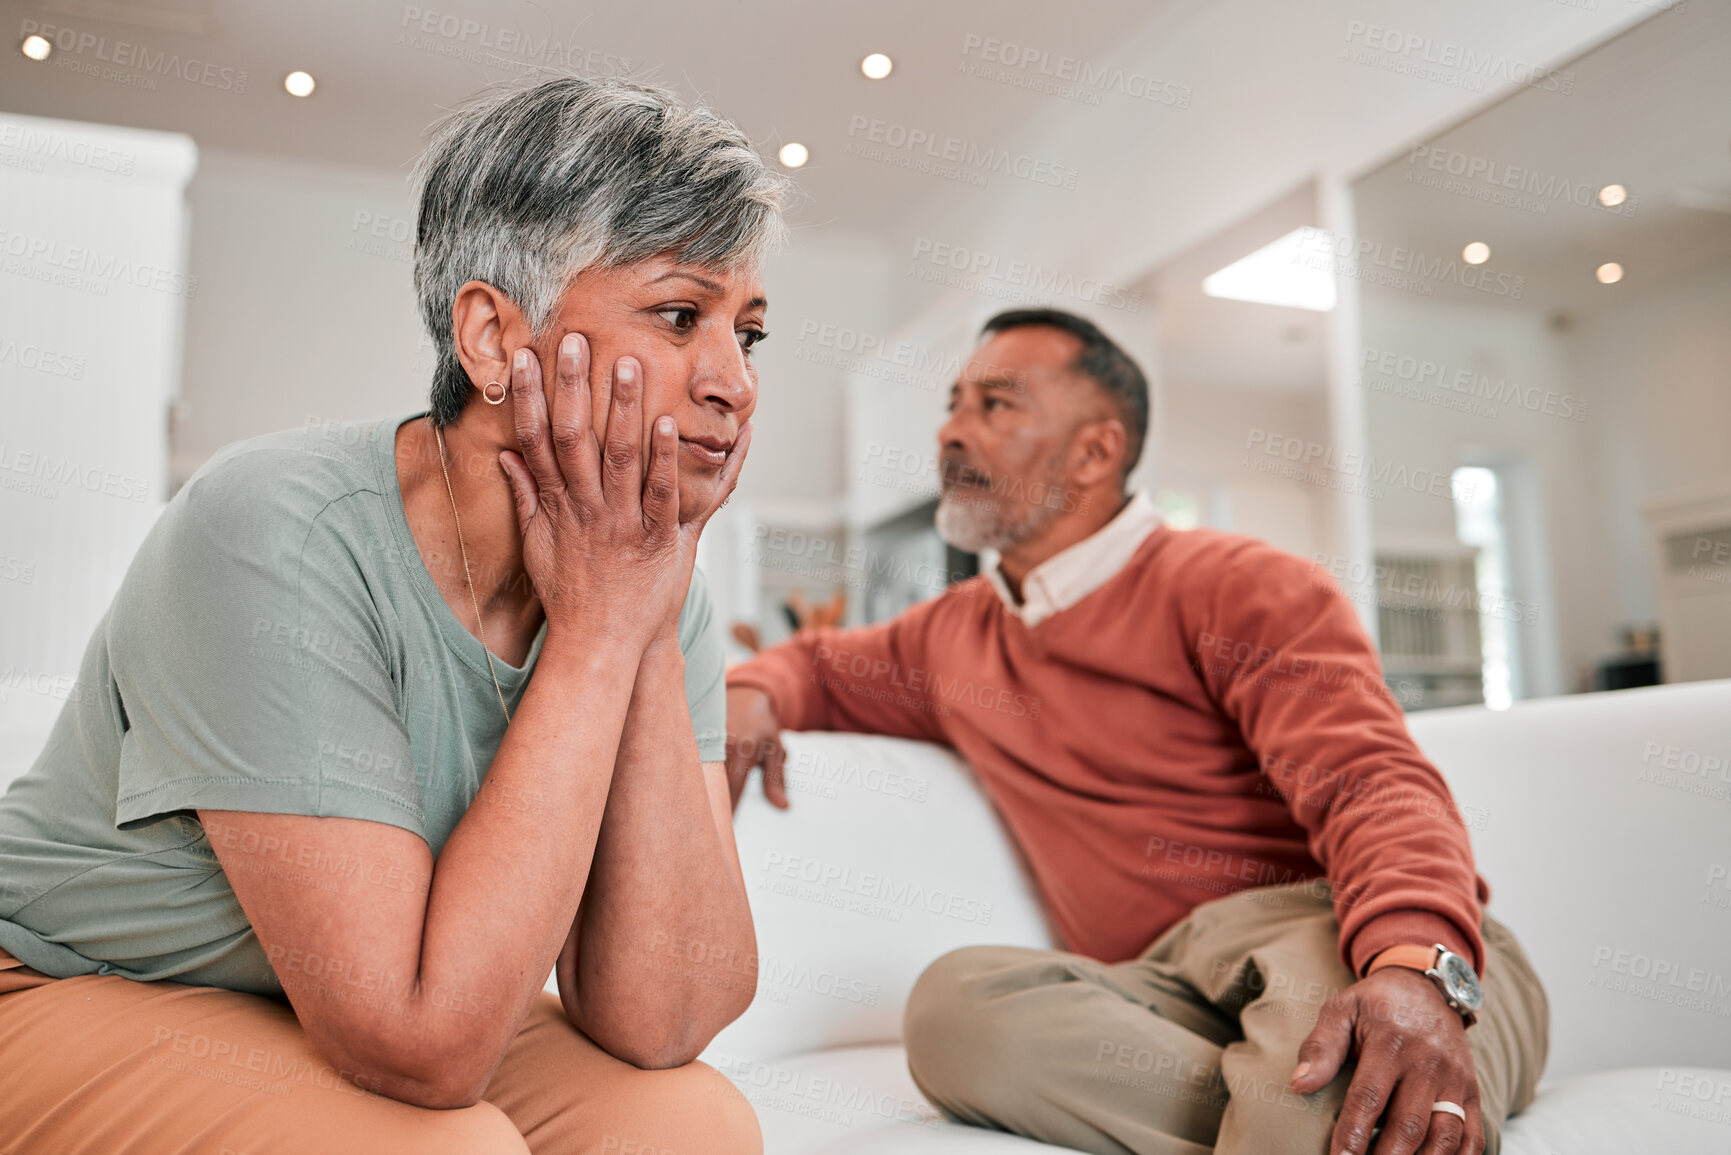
(1273, 105)
(1650, 110)
(1210, 343)
(782, 69)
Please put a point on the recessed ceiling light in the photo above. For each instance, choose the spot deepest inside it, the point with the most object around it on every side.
(794, 154)
(1609, 273)
(36, 47)
(1613, 195)
(299, 84)
(1297, 270)
(1476, 253)
(876, 66)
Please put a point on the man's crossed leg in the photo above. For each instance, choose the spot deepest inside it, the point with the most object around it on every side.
(1190, 1048)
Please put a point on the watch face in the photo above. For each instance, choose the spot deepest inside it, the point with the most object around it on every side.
(1460, 981)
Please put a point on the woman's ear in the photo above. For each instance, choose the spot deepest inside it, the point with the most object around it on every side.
(487, 327)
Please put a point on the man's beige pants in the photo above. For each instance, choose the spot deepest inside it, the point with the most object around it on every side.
(1190, 1048)
(102, 1065)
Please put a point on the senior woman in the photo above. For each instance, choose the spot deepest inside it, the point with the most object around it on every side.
(389, 720)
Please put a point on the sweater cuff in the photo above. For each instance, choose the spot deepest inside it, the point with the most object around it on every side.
(1418, 927)
(769, 674)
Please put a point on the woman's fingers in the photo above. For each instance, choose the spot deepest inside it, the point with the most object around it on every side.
(729, 476)
(572, 417)
(523, 489)
(529, 416)
(621, 478)
(661, 485)
(725, 481)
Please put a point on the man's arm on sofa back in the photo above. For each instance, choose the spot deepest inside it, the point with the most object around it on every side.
(828, 679)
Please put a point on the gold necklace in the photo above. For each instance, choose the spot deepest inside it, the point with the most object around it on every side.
(467, 576)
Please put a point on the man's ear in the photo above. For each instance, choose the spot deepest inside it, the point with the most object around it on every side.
(487, 327)
(1100, 449)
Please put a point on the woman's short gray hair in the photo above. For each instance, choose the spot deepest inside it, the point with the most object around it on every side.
(530, 183)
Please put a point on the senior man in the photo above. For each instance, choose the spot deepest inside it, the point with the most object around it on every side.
(1276, 934)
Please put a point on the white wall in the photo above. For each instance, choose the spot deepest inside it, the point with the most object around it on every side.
(1510, 347)
(826, 287)
(1211, 448)
(828, 295)
(92, 286)
(1659, 368)
(1655, 373)
(306, 309)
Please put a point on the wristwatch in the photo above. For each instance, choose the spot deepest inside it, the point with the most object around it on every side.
(1452, 974)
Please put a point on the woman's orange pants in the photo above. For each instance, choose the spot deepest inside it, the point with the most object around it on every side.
(102, 1065)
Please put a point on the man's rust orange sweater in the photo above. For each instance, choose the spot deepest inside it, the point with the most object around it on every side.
(1211, 718)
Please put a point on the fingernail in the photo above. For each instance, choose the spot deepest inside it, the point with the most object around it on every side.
(1300, 1071)
(521, 358)
(626, 371)
(572, 343)
(664, 425)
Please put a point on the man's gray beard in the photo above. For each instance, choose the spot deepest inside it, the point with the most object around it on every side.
(970, 520)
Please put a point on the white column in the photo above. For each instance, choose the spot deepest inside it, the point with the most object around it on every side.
(1349, 532)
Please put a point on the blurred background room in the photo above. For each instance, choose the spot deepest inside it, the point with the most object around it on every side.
(1434, 295)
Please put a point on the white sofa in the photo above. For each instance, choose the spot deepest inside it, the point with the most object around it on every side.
(1602, 822)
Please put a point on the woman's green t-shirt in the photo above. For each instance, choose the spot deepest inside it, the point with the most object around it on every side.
(276, 646)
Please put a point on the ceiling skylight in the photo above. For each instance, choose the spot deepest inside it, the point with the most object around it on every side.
(1294, 271)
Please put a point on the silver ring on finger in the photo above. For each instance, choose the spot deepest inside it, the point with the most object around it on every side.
(1444, 1107)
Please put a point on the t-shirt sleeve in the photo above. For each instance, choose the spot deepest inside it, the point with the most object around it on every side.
(253, 666)
(705, 669)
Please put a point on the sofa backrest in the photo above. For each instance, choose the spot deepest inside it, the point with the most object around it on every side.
(1602, 822)
(888, 857)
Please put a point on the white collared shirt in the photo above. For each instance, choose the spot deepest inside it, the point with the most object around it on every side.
(1073, 573)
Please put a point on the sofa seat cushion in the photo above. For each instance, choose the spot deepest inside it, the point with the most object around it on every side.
(1633, 1111)
(861, 1101)
(853, 1099)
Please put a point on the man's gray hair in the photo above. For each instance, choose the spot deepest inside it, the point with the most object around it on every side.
(530, 183)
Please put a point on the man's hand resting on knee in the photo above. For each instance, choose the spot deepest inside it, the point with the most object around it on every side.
(1412, 1051)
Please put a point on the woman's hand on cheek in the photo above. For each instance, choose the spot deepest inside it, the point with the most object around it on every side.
(726, 481)
(691, 531)
(602, 540)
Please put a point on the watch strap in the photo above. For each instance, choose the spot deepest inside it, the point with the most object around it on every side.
(1419, 958)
